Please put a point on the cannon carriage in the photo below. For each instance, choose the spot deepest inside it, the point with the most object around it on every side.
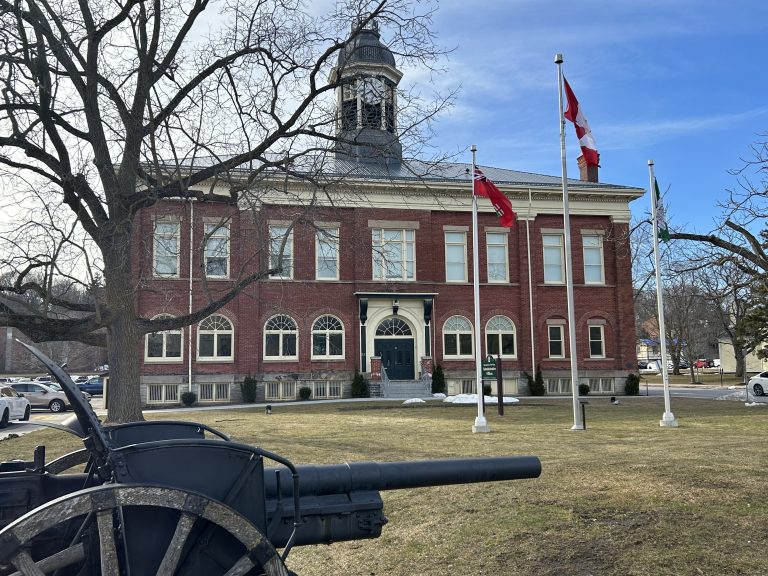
(182, 498)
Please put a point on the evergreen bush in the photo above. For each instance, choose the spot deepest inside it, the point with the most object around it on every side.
(248, 388)
(438, 380)
(360, 387)
(188, 398)
(536, 384)
(632, 385)
(486, 389)
(583, 389)
(305, 393)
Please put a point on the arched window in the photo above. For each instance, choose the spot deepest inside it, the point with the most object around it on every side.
(163, 346)
(215, 337)
(393, 327)
(327, 338)
(500, 337)
(281, 338)
(457, 338)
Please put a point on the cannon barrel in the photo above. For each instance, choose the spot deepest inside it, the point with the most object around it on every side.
(342, 502)
(316, 480)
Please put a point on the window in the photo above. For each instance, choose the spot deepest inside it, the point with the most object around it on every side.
(214, 392)
(216, 251)
(166, 249)
(554, 272)
(457, 337)
(162, 393)
(556, 347)
(558, 385)
(500, 337)
(596, 342)
(281, 257)
(327, 254)
(593, 259)
(455, 257)
(394, 254)
(214, 339)
(496, 247)
(601, 385)
(327, 338)
(280, 338)
(163, 346)
(393, 327)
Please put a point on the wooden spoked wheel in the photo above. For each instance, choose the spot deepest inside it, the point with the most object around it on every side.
(104, 513)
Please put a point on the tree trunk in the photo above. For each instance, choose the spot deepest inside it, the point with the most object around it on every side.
(124, 336)
(741, 363)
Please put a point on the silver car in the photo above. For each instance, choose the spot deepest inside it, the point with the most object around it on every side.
(42, 395)
(758, 384)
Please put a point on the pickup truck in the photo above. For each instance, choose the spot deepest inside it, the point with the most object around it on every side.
(12, 406)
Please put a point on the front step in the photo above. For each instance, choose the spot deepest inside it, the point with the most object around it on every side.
(405, 389)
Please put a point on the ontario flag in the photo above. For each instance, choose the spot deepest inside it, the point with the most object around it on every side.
(583, 133)
(484, 187)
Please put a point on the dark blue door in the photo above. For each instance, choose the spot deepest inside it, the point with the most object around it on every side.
(396, 356)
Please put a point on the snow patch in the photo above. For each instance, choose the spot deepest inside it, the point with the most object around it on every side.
(414, 401)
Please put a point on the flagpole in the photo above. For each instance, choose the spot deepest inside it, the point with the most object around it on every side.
(481, 424)
(530, 286)
(668, 420)
(577, 422)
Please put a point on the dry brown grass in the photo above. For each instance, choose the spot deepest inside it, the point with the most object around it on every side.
(624, 497)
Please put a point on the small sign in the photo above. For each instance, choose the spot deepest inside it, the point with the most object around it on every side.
(489, 368)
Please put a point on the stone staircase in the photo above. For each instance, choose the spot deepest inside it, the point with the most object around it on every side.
(405, 389)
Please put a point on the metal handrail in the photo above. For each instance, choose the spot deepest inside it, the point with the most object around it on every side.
(384, 383)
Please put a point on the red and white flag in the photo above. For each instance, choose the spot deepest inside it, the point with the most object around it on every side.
(484, 187)
(583, 133)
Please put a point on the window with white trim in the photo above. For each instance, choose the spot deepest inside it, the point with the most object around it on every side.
(162, 393)
(281, 338)
(497, 257)
(327, 254)
(281, 255)
(594, 272)
(596, 341)
(216, 252)
(327, 338)
(215, 337)
(457, 338)
(554, 269)
(455, 256)
(556, 344)
(601, 385)
(394, 254)
(166, 240)
(214, 392)
(163, 346)
(558, 385)
(500, 337)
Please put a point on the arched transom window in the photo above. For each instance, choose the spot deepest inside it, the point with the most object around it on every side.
(457, 337)
(281, 338)
(327, 338)
(500, 337)
(393, 327)
(163, 346)
(215, 337)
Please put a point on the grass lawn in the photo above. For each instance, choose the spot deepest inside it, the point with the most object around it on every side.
(624, 497)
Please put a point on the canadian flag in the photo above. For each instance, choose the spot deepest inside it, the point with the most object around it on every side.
(583, 133)
(482, 186)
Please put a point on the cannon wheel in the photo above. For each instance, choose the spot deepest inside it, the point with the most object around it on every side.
(106, 504)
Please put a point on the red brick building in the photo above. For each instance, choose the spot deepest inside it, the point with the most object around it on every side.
(375, 268)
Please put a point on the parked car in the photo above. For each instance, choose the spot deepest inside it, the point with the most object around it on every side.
(716, 363)
(758, 384)
(94, 385)
(43, 395)
(642, 364)
(703, 363)
(44, 378)
(12, 406)
(79, 379)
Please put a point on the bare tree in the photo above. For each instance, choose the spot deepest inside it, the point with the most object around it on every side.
(111, 107)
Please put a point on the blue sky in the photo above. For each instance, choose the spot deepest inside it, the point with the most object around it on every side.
(681, 82)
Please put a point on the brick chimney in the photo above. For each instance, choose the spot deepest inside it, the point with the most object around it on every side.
(587, 173)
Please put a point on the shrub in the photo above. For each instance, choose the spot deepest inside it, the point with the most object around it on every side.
(536, 385)
(438, 380)
(305, 392)
(188, 398)
(360, 386)
(248, 388)
(632, 385)
(486, 389)
(583, 389)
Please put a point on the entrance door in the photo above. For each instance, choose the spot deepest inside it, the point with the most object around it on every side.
(396, 356)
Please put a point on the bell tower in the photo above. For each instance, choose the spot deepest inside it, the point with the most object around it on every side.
(366, 100)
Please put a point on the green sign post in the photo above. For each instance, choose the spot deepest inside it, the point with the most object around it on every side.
(489, 368)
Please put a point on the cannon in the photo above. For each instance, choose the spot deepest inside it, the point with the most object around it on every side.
(181, 498)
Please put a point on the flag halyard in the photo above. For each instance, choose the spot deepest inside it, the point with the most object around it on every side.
(482, 186)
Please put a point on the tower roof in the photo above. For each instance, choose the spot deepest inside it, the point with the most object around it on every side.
(366, 48)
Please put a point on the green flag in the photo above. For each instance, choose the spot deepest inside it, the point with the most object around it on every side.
(661, 217)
